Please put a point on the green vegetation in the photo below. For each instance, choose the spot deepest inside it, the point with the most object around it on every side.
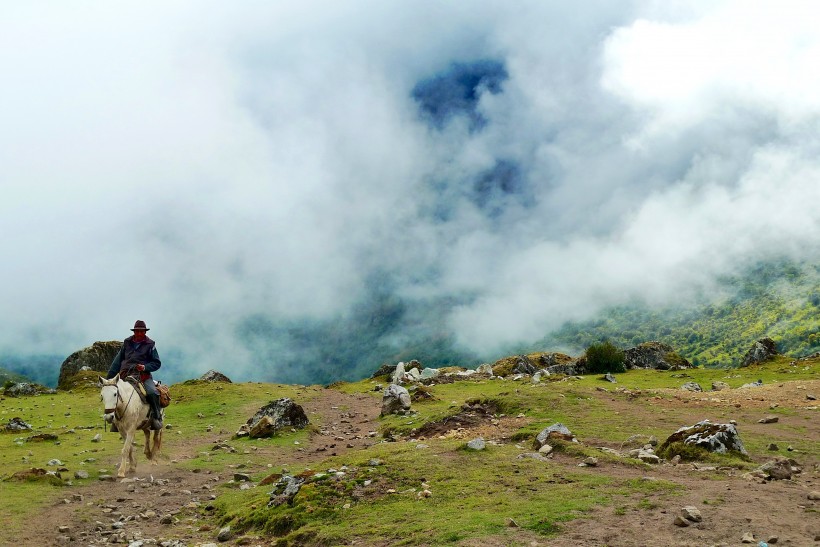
(395, 492)
(604, 357)
(780, 300)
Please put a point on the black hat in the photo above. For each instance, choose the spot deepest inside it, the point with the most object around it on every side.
(140, 325)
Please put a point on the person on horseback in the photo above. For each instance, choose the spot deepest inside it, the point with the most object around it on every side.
(138, 357)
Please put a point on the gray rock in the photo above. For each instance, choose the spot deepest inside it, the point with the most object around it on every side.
(523, 365)
(814, 495)
(55, 462)
(430, 373)
(394, 399)
(224, 534)
(477, 444)
(97, 356)
(278, 414)
(485, 369)
(214, 376)
(753, 384)
(555, 431)
(692, 386)
(16, 424)
(768, 420)
(610, 378)
(647, 456)
(748, 537)
(96, 438)
(80, 474)
(761, 351)
(691, 513)
(778, 470)
(682, 522)
(241, 477)
(720, 386)
(284, 490)
(654, 355)
(398, 374)
(719, 438)
(25, 389)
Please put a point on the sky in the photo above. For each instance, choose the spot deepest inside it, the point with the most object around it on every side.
(194, 164)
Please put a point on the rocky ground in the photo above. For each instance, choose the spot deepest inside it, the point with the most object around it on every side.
(168, 505)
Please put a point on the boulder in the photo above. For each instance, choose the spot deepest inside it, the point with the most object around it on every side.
(273, 417)
(384, 370)
(556, 431)
(97, 357)
(691, 386)
(720, 438)
(398, 374)
(780, 469)
(214, 376)
(654, 355)
(573, 368)
(24, 389)
(430, 373)
(523, 365)
(17, 424)
(553, 359)
(761, 351)
(719, 386)
(477, 444)
(395, 399)
(485, 369)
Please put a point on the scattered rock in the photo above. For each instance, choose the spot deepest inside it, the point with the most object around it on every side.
(773, 447)
(485, 369)
(609, 378)
(748, 537)
(394, 399)
(16, 424)
(555, 431)
(768, 420)
(780, 469)
(81, 474)
(691, 513)
(814, 495)
(654, 355)
(224, 534)
(523, 365)
(477, 444)
(692, 386)
(274, 416)
(720, 386)
(25, 389)
(761, 351)
(720, 438)
(753, 384)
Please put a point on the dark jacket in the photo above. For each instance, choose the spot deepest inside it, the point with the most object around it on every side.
(132, 354)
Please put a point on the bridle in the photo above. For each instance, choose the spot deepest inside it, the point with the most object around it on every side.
(119, 415)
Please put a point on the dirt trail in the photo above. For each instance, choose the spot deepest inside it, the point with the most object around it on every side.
(165, 502)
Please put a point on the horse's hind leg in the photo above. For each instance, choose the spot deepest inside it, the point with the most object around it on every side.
(149, 453)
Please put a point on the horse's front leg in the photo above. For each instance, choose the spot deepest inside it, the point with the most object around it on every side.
(127, 455)
(148, 453)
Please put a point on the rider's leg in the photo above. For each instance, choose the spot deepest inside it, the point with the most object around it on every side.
(152, 395)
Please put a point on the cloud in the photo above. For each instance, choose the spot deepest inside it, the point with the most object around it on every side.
(230, 175)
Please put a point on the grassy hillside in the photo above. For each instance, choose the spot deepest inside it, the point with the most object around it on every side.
(9, 376)
(776, 300)
(414, 475)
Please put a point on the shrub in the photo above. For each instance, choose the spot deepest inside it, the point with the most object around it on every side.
(605, 357)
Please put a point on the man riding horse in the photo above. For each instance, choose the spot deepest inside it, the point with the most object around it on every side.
(138, 357)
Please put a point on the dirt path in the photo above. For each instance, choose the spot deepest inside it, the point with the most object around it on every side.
(166, 503)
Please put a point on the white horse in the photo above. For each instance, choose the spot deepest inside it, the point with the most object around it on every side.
(124, 408)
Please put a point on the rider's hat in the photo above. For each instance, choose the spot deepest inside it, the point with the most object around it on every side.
(140, 325)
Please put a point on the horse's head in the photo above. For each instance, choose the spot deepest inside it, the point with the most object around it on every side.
(109, 395)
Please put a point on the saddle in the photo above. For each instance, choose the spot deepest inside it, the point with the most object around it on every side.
(162, 389)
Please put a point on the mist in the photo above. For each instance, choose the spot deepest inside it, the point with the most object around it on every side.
(298, 191)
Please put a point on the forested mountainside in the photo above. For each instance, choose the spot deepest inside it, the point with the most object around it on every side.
(781, 301)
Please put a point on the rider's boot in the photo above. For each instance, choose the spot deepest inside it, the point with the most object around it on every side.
(156, 413)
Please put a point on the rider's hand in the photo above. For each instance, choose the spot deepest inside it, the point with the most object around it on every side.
(140, 367)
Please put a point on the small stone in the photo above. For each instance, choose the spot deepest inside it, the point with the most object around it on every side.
(810, 397)
(682, 522)
(545, 450)
(814, 495)
(773, 447)
(239, 477)
(96, 438)
(477, 444)
(167, 519)
(224, 534)
(772, 539)
(80, 474)
(748, 537)
(511, 523)
(690, 512)
(768, 420)
(591, 462)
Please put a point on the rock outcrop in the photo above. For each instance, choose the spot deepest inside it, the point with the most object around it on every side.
(761, 351)
(25, 389)
(720, 438)
(654, 355)
(214, 376)
(97, 357)
(273, 417)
